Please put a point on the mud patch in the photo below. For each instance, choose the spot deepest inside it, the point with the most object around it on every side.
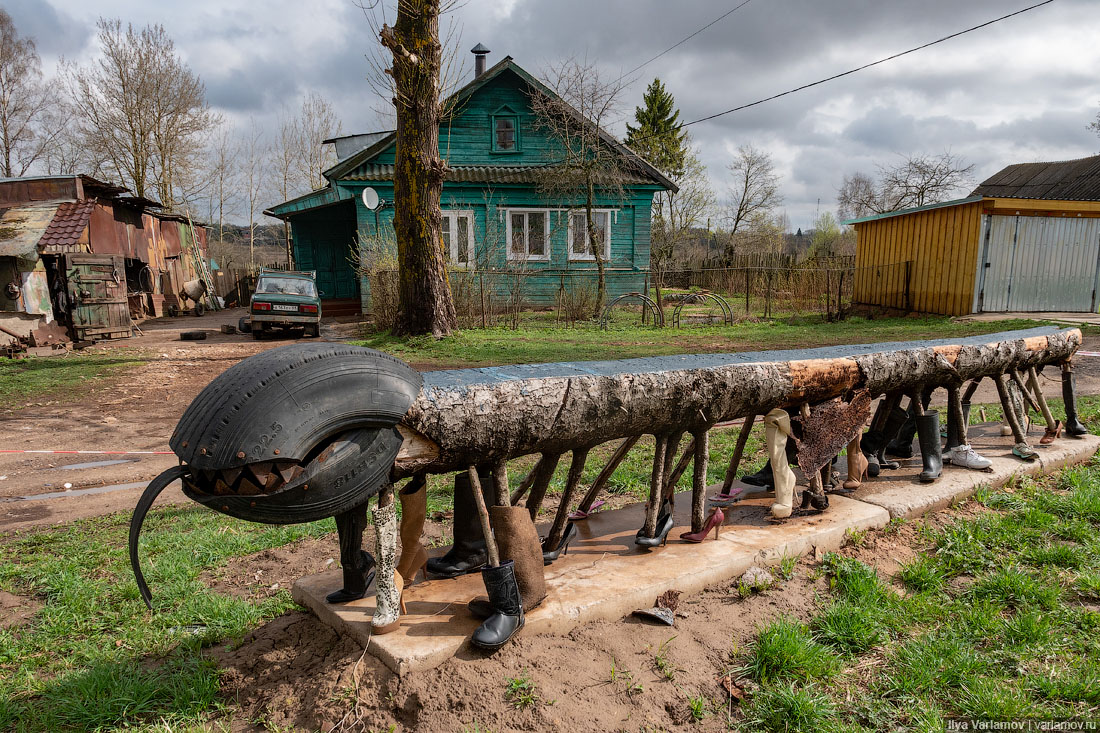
(263, 574)
(15, 610)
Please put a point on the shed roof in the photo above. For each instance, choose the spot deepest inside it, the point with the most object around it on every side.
(67, 226)
(21, 227)
(902, 212)
(1064, 180)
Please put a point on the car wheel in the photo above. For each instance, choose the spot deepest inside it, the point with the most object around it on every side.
(314, 330)
(244, 325)
(199, 309)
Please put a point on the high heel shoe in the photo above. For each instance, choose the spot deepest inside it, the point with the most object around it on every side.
(664, 526)
(713, 521)
(549, 556)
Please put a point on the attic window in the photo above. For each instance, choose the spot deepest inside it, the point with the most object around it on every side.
(505, 134)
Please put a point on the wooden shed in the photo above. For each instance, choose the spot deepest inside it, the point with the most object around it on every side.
(1028, 239)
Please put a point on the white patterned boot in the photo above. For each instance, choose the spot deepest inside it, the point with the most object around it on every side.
(388, 603)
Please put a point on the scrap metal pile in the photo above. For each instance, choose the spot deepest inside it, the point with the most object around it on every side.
(314, 430)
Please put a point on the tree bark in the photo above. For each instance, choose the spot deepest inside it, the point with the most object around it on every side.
(426, 306)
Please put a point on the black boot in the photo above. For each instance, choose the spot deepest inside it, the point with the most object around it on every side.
(902, 444)
(763, 477)
(500, 584)
(1069, 396)
(468, 552)
(357, 563)
(869, 444)
(894, 423)
(928, 435)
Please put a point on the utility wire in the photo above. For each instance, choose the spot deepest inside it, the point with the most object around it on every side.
(865, 66)
(685, 40)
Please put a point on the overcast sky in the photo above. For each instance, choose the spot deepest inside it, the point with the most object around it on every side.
(1019, 91)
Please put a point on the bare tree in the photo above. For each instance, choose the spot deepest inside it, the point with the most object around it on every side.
(425, 293)
(1095, 124)
(915, 181)
(586, 160)
(31, 112)
(753, 193)
(142, 110)
(224, 174)
(254, 151)
(676, 214)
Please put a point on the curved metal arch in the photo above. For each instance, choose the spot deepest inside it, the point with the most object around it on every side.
(727, 311)
(647, 302)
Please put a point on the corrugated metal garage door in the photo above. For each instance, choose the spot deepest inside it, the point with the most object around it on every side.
(1036, 263)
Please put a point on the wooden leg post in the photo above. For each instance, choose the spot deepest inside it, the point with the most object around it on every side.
(738, 451)
(576, 471)
(606, 474)
(1009, 409)
(701, 445)
(483, 515)
(656, 485)
(542, 473)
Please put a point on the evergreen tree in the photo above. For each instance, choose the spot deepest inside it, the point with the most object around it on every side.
(658, 136)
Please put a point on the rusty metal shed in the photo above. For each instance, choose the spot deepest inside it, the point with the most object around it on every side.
(1027, 239)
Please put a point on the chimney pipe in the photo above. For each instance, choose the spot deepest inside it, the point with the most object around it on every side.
(479, 51)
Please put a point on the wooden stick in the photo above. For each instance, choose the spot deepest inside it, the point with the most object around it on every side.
(1009, 410)
(525, 484)
(738, 451)
(955, 414)
(576, 471)
(385, 495)
(971, 389)
(701, 444)
(916, 404)
(608, 471)
(1024, 391)
(543, 473)
(681, 466)
(483, 515)
(1033, 380)
(500, 483)
(670, 449)
(656, 485)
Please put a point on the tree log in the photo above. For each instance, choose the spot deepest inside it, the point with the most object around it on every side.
(484, 415)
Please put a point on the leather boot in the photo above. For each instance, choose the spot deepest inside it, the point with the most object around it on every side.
(518, 540)
(507, 619)
(468, 552)
(928, 435)
(902, 444)
(414, 510)
(777, 428)
(388, 604)
(1074, 427)
(763, 477)
(894, 423)
(869, 442)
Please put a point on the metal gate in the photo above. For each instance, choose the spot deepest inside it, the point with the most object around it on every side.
(1032, 263)
(96, 286)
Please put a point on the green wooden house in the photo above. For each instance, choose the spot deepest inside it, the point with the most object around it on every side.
(494, 218)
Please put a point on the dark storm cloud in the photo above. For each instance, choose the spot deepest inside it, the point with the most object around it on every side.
(55, 33)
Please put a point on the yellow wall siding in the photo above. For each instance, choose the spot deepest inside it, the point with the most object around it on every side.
(943, 247)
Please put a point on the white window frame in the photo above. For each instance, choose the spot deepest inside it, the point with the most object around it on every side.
(527, 256)
(450, 226)
(589, 257)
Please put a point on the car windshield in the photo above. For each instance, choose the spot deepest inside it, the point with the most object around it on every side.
(286, 286)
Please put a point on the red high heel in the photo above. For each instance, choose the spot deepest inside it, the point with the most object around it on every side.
(714, 520)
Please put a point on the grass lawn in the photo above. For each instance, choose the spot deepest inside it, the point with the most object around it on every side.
(539, 341)
(24, 379)
(996, 619)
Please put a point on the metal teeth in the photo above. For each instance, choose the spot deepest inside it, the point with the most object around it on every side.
(247, 488)
(288, 470)
(231, 475)
(262, 472)
(221, 488)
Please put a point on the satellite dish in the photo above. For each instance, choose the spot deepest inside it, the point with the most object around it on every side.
(370, 198)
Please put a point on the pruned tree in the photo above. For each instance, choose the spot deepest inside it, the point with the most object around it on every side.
(142, 110)
(753, 193)
(916, 181)
(425, 293)
(31, 111)
(586, 161)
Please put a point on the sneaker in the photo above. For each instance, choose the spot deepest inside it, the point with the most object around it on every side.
(966, 457)
(1024, 451)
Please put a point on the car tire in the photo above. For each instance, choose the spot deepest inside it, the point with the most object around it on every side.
(313, 331)
(193, 336)
(198, 310)
(244, 325)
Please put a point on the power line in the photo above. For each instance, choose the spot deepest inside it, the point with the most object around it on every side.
(685, 40)
(866, 66)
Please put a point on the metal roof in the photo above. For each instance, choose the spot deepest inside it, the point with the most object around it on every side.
(67, 226)
(1065, 180)
(926, 207)
(22, 226)
(479, 173)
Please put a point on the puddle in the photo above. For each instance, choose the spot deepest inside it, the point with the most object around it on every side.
(93, 464)
(79, 492)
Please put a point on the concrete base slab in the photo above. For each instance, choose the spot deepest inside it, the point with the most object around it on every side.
(604, 576)
(901, 494)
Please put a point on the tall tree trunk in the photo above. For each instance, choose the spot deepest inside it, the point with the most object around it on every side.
(596, 247)
(425, 293)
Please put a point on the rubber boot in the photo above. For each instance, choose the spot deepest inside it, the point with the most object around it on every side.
(414, 510)
(507, 619)
(518, 540)
(468, 552)
(356, 563)
(777, 428)
(388, 605)
(1069, 396)
(869, 443)
(763, 477)
(931, 453)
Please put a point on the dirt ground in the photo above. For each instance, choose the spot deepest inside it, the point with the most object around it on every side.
(297, 673)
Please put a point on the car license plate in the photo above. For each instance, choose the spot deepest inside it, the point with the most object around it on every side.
(277, 307)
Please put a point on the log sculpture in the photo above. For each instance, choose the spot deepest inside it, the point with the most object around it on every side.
(314, 430)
